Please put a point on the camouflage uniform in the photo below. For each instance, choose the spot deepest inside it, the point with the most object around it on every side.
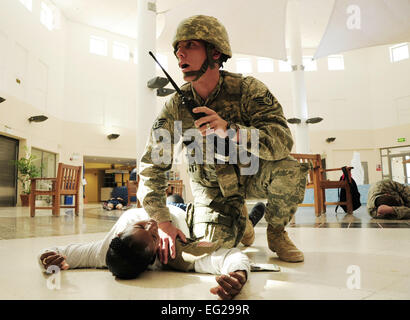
(400, 193)
(248, 103)
(219, 190)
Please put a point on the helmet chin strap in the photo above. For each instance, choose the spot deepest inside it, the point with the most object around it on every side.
(208, 62)
(198, 73)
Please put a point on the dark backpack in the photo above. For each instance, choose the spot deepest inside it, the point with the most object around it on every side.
(353, 190)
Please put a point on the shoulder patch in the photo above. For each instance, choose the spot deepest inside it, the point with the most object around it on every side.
(159, 123)
(266, 100)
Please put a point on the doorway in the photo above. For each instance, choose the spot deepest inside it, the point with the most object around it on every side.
(396, 163)
(8, 171)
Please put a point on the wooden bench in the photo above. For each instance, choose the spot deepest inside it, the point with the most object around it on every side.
(67, 183)
(319, 184)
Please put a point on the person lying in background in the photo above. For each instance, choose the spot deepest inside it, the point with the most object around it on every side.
(389, 199)
(132, 246)
(117, 203)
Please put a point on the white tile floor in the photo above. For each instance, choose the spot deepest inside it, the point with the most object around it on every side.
(381, 257)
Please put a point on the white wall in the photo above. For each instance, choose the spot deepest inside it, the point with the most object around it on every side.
(33, 54)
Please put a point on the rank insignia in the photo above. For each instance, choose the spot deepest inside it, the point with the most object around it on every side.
(266, 100)
(159, 123)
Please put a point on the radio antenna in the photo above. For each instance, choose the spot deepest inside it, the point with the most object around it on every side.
(166, 73)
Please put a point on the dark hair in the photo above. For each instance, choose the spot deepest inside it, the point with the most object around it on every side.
(126, 259)
(175, 198)
(387, 200)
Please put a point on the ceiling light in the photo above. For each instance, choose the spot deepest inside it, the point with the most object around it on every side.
(40, 118)
(331, 139)
(113, 136)
(314, 120)
(294, 120)
(162, 92)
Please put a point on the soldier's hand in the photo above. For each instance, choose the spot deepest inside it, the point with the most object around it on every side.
(216, 123)
(52, 258)
(229, 285)
(168, 233)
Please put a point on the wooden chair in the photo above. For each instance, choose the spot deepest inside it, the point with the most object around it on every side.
(175, 187)
(67, 183)
(319, 184)
(132, 187)
(313, 179)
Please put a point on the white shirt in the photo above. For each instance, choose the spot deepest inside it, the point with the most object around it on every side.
(92, 255)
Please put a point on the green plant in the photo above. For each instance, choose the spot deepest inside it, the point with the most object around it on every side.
(27, 170)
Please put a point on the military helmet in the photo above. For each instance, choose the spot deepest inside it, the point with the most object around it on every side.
(204, 28)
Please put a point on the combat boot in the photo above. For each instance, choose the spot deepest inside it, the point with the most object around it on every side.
(279, 242)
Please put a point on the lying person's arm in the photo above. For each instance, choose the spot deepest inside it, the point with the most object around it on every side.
(233, 267)
(84, 255)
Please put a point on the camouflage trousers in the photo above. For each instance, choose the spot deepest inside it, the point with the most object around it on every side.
(214, 217)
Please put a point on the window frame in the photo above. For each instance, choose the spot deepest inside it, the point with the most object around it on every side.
(47, 17)
(117, 44)
(105, 53)
(238, 63)
(264, 60)
(398, 46)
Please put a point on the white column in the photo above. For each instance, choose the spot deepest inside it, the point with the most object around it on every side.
(146, 98)
(300, 107)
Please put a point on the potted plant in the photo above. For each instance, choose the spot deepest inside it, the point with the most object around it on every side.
(26, 170)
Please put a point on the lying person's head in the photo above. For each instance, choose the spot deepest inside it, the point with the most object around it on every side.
(386, 199)
(175, 198)
(133, 250)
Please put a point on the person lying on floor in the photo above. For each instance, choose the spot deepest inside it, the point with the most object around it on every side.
(389, 199)
(117, 203)
(132, 246)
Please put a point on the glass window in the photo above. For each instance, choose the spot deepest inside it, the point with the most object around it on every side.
(285, 66)
(243, 65)
(46, 161)
(335, 62)
(265, 65)
(309, 63)
(28, 4)
(46, 16)
(120, 51)
(98, 45)
(385, 166)
(399, 52)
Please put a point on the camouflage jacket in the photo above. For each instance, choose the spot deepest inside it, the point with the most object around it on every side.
(399, 191)
(244, 101)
